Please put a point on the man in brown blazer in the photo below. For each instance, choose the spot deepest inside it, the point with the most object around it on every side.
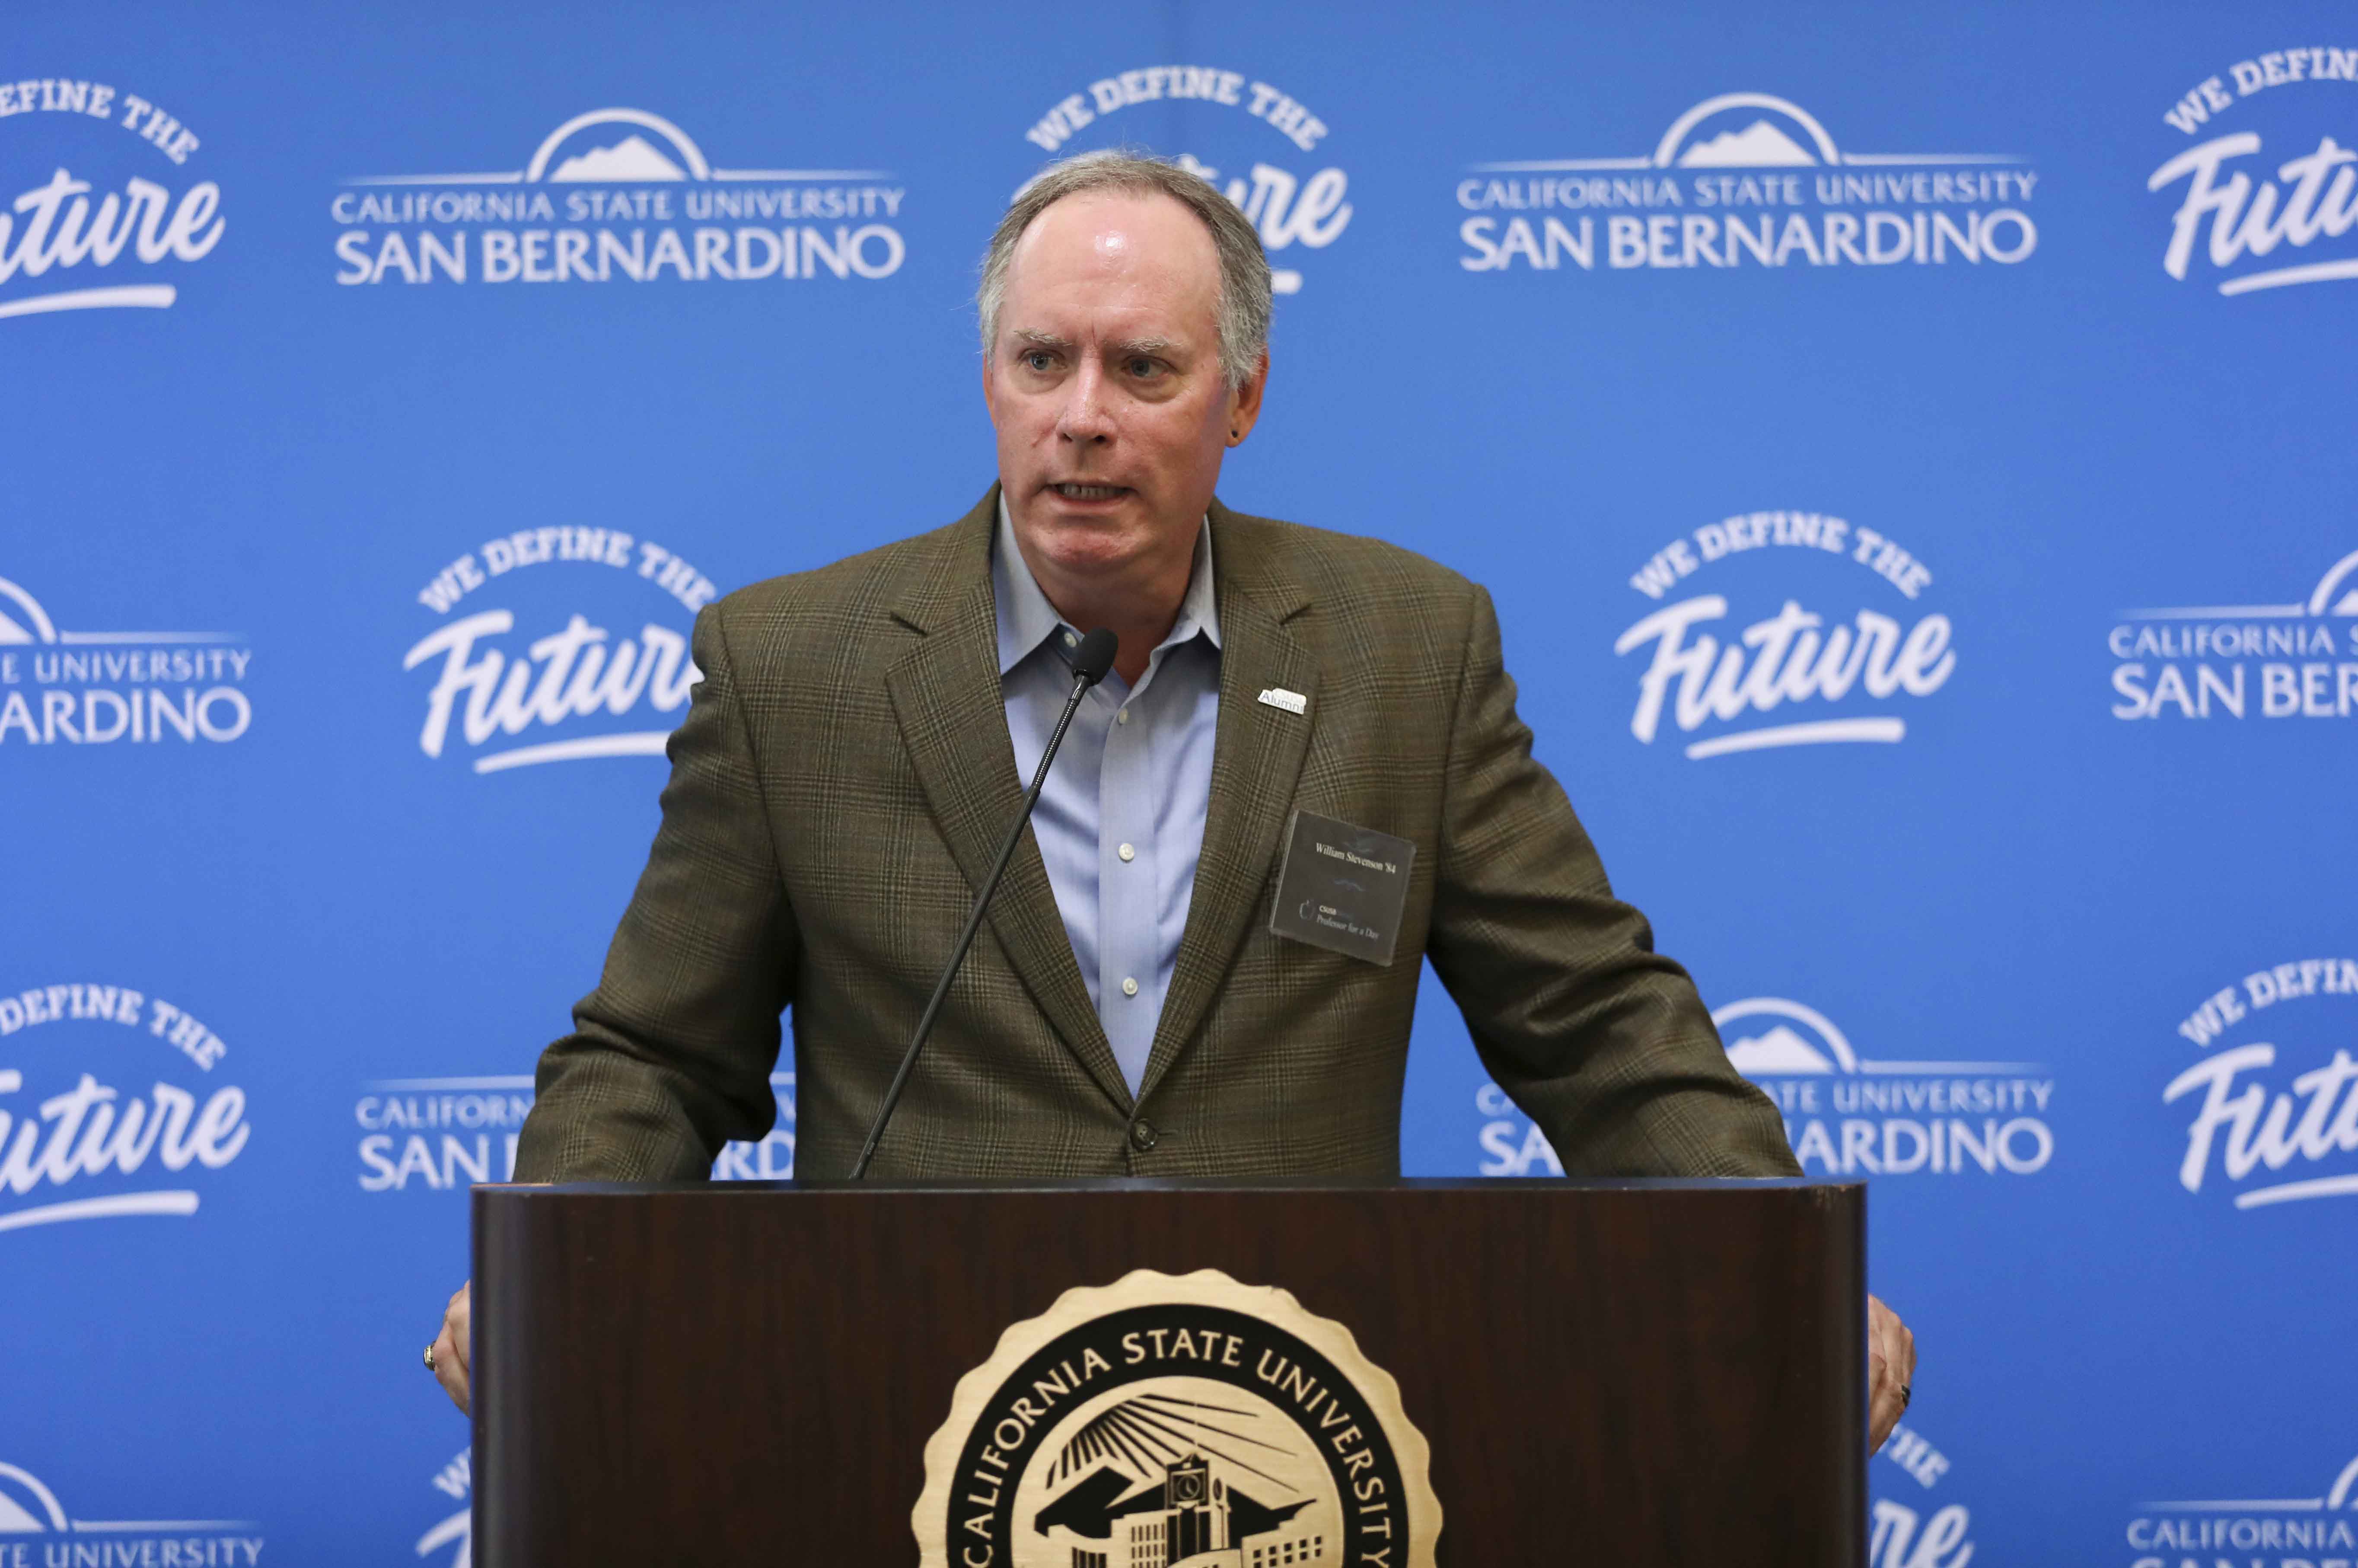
(850, 760)
(838, 790)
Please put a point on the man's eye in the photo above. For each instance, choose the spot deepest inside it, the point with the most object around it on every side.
(1141, 367)
(1038, 359)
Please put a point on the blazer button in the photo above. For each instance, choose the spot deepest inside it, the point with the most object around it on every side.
(1143, 1135)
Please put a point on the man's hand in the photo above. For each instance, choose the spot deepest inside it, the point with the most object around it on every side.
(452, 1351)
(1890, 1367)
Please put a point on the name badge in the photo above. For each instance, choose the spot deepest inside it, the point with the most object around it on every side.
(1342, 888)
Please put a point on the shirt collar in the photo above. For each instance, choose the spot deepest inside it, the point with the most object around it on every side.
(1026, 618)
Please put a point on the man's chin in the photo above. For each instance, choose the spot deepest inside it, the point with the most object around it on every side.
(1087, 528)
(1075, 543)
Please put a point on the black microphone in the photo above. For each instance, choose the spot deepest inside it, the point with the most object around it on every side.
(1091, 660)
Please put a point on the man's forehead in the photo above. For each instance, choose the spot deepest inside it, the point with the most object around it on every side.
(1121, 225)
(1136, 254)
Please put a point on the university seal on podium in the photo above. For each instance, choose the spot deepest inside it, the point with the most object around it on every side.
(1177, 1422)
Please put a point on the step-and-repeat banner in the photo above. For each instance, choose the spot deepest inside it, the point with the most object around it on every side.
(1911, 454)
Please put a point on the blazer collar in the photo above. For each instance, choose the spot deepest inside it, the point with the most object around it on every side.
(946, 694)
(1256, 759)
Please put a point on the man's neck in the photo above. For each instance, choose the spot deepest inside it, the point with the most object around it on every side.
(1134, 619)
(1139, 607)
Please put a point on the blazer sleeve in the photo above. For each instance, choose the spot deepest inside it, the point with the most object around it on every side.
(670, 1057)
(1602, 1041)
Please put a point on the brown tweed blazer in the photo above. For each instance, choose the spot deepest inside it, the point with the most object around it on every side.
(839, 788)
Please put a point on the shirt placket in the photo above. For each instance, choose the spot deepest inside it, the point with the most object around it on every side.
(1128, 986)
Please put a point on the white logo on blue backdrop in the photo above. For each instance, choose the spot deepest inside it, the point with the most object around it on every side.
(1746, 180)
(1289, 203)
(54, 230)
(28, 1509)
(1848, 1115)
(2281, 661)
(117, 1151)
(2260, 198)
(443, 1134)
(2278, 1121)
(94, 688)
(567, 688)
(2212, 1525)
(1845, 1115)
(1739, 682)
(1916, 1530)
(619, 195)
(453, 1536)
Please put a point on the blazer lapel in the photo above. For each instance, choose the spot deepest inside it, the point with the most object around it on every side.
(945, 694)
(1256, 758)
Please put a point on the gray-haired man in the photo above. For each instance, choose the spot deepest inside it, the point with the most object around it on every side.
(862, 734)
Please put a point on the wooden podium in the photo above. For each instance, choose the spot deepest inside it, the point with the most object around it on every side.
(1649, 1373)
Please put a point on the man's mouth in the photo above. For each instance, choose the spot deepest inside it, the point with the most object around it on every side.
(1090, 492)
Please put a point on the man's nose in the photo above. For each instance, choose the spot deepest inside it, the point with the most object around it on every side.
(1086, 419)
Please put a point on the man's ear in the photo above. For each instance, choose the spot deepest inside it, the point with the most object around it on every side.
(1244, 402)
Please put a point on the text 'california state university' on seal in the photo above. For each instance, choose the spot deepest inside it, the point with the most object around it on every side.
(1177, 1422)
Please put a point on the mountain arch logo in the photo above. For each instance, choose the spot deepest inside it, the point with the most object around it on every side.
(1758, 130)
(1848, 1114)
(24, 623)
(1744, 180)
(598, 199)
(26, 1506)
(1763, 143)
(611, 146)
(29, 1507)
(2326, 1524)
(2296, 660)
(2337, 590)
(1166, 1420)
(22, 619)
(631, 158)
(1792, 1038)
(81, 688)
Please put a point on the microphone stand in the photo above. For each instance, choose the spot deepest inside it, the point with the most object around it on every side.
(1090, 662)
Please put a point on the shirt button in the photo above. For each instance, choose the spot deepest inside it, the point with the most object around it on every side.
(1129, 988)
(1127, 852)
(1122, 718)
(1143, 1134)
(1070, 639)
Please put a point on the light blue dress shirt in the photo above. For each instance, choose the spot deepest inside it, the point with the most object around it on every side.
(1121, 820)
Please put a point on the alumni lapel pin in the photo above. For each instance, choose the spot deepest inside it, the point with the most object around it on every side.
(1292, 701)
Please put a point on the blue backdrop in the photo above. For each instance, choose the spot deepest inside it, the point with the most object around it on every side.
(1911, 452)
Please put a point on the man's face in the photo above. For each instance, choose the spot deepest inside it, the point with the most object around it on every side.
(1106, 388)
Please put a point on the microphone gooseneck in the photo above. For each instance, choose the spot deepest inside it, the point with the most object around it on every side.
(1091, 660)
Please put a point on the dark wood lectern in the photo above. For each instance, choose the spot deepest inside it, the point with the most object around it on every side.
(1626, 1373)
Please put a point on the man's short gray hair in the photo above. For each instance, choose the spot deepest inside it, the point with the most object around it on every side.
(1244, 303)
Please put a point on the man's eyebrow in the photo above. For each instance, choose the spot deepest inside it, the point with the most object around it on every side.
(1141, 346)
(1037, 338)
